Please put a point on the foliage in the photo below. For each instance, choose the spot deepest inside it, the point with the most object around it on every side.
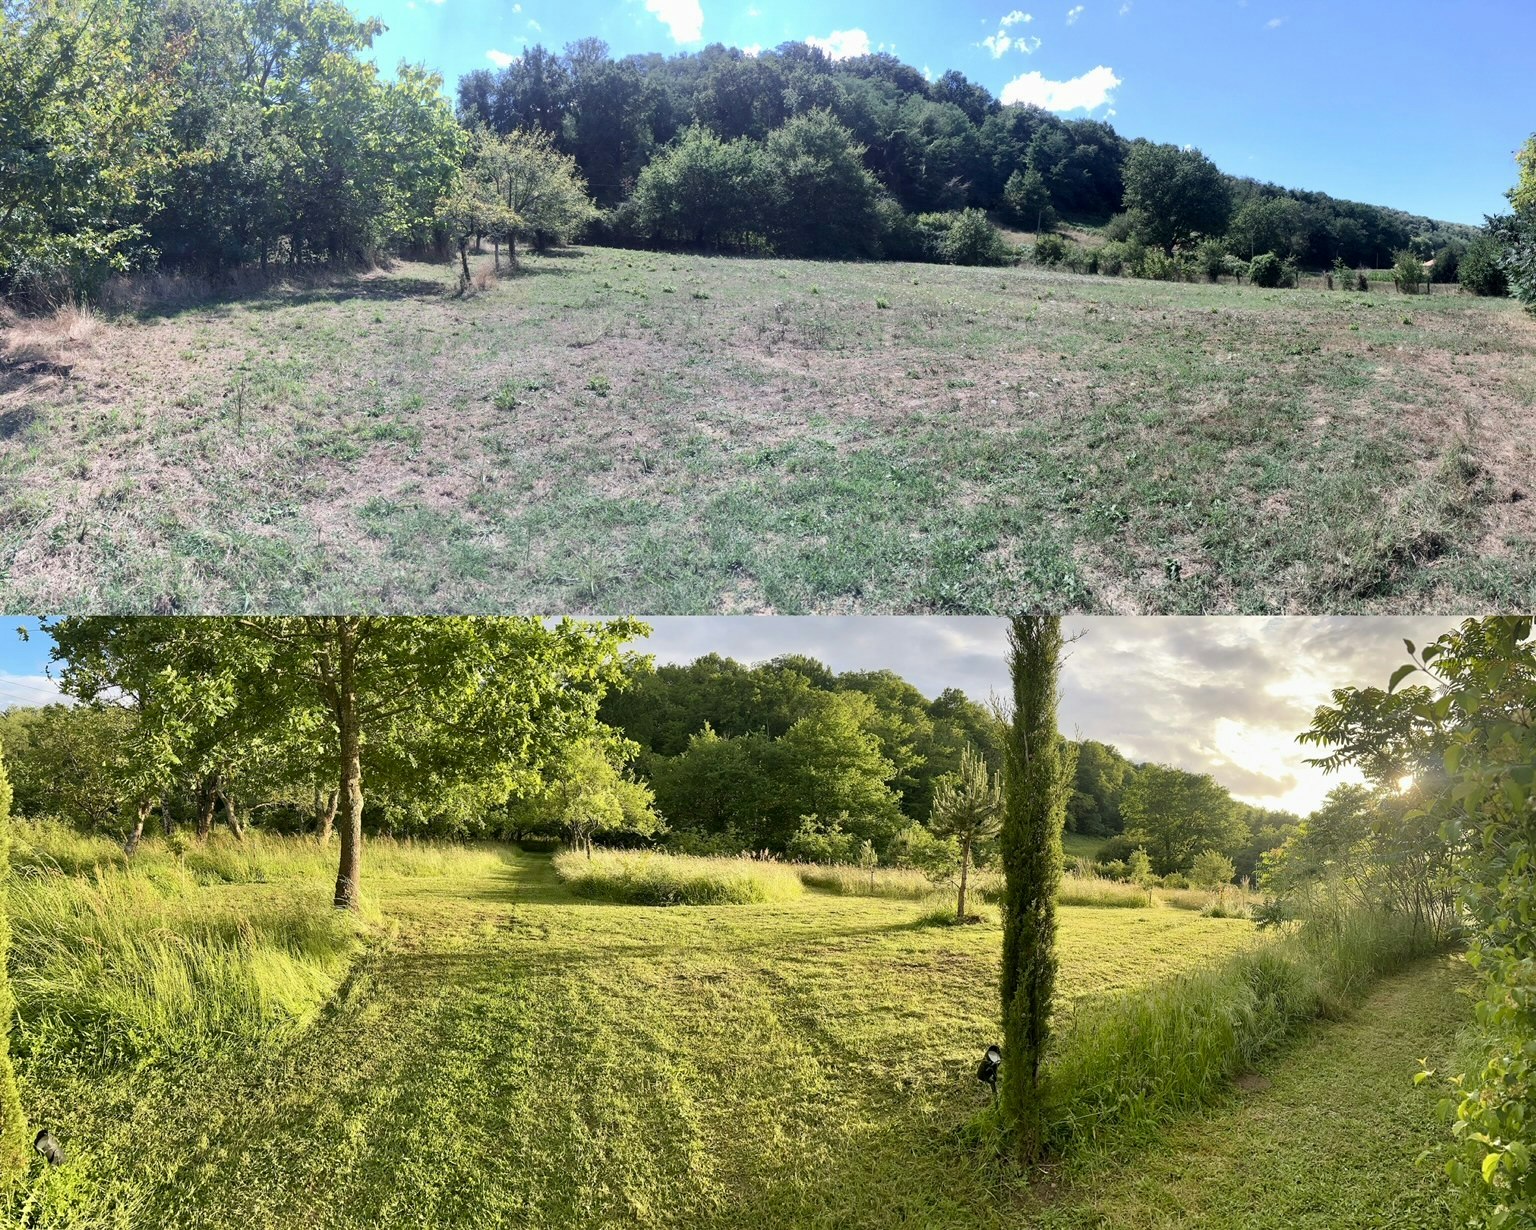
(648, 878)
(430, 705)
(1175, 194)
(1049, 250)
(827, 196)
(1468, 738)
(971, 239)
(1480, 271)
(1408, 272)
(968, 806)
(1211, 870)
(1174, 815)
(1266, 270)
(706, 192)
(1038, 771)
(1102, 893)
(1029, 201)
(1100, 780)
(587, 795)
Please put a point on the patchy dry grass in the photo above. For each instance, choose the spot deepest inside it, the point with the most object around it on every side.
(620, 429)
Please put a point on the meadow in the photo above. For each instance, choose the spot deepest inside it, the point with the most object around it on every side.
(495, 1049)
(678, 433)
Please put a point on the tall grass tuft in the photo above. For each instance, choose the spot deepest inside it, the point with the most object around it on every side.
(122, 966)
(900, 883)
(1100, 893)
(1128, 1063)
(648, 878)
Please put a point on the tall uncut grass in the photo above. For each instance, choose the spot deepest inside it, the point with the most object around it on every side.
(127, 959)
(648, 878)
(1127, 1063)
(900, 883)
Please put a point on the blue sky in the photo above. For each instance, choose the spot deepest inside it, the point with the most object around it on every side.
(1224, 696)
(1418, 104)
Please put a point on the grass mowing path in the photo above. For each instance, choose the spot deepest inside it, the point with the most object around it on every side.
(1326, 1138)
(516, 1057)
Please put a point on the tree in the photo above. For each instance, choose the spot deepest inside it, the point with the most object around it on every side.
(1468, 737)
(968, 806)
(1029, 201)
(1037, 776)
(705, 191)
(588, 794)
(1174, 815)
(542, 196)
(1175, 194)
(1480, 271)
(832, 762)
(13, 1138)
(827, 196)
(426, 703)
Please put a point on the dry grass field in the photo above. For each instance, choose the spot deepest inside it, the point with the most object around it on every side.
(612, 429)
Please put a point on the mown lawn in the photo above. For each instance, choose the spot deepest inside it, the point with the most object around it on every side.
(614, 429)
(512, 1056)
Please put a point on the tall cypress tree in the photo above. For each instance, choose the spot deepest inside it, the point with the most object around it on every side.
(13, 1143)
(1037, 780)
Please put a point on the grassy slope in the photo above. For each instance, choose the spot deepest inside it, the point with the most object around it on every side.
(515, 1056)
(673, 433)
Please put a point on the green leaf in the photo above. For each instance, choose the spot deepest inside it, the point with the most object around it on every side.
(1490, 1167)
(1401, 673)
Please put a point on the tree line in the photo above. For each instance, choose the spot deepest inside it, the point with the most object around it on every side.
(209, 135)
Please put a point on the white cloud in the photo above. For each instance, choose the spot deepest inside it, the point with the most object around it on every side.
(684, 19)
(1073, 14)
(1093, 89)
(534, 26)
(1015, 17)
(752, 49)
(29, 691)
(927, 73)
(1125, 8)
(499, 58)
(517, 8)
(1002, 42)
(1274, 23)
(843, 44)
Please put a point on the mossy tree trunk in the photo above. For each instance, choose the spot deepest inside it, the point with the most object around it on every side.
(13, 1130)
(1036, 782)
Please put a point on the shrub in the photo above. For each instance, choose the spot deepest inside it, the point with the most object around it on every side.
(1175, 879)
(1120, 228)
(1266, 270)
(815, 842)
(1447, 262)
(1211, 258)
(901, 236)
(1049, 250)
(1407, 272)
(1111, 259)
(918, 848)
(973, 240)
(649, 878)
(1029, 202)
(1117, 848)
(1234, 267)
(1115, 869)
(1480, 271)
(1211, 870)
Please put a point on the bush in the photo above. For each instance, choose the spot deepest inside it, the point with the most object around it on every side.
(973, 240)
(920, 849)
(1480, 271)
(815, 842)
(1407, 272)
(1447, 262)
(1115, 869)
(1117, 849)
(1111, 259)
(1175, 880)
(1266, 270)
(1049, 250)
(1234, 267)
(648, 878)
(1211, 258)
(901, 236)
(1212, 870)
(1029, 202)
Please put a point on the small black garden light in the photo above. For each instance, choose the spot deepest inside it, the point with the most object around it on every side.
(46, 1143)
(990, 1063)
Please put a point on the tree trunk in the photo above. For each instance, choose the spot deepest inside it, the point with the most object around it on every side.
(350, 788)
(207, 800)
(965, 866)
(464, 278)
(232, 815)
(137, 834)
(166, 823)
